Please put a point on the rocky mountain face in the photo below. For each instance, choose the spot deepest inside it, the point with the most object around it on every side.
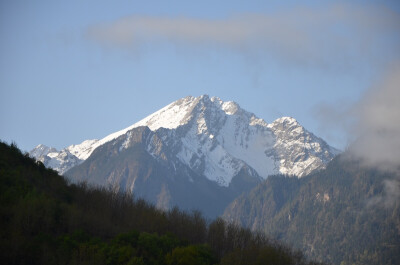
(195, 141)
(139, 162)
(345, 214)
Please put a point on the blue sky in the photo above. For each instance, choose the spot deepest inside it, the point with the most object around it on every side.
(77, 70)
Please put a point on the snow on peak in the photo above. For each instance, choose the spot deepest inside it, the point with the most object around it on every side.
(256, 121)
(83, 150)
(41, 150)
(181, 111)
(171, 116)
(219, 140)
(286, 120)
(229, 107)
(41, 147)
(285, 124)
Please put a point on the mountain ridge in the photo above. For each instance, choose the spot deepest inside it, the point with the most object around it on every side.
(197, 153)
(228, 144)
(337, 215)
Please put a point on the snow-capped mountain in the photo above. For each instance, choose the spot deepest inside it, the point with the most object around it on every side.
(215, 139)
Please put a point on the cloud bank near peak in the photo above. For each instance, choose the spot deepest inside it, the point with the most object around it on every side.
(377, 124)
(373, 131)
(372, 124)
(337, 33)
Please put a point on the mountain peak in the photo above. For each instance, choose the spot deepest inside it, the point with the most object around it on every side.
(41, 150)
(181, 111)
(229, 107)
(287, 120)
(217, 138)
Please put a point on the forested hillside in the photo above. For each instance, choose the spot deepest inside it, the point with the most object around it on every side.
(342, 215)
(44, 220)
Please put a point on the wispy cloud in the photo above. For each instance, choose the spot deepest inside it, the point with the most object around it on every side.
(372, 124)
(373, 128)
(333, 36)
(377, 124)
(390, 197)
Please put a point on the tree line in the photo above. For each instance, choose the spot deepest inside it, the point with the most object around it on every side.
(45, 219)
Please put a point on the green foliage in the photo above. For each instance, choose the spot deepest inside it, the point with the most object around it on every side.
(191, 255)
(45, 220)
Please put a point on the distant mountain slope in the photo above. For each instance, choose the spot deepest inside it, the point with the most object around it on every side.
(166, 182)
(216, 139)
(197, 152)
(338, 215)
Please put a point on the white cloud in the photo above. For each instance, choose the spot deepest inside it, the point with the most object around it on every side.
(378, 124)
(336, 36)
(372, 124)
(373, 128)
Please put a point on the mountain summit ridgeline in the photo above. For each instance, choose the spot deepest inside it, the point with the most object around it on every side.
(197, 147)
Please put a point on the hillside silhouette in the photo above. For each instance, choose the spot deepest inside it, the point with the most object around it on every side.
(46, 220)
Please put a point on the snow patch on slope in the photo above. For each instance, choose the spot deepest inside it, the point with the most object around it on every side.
(216, 139)
(83, 150)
